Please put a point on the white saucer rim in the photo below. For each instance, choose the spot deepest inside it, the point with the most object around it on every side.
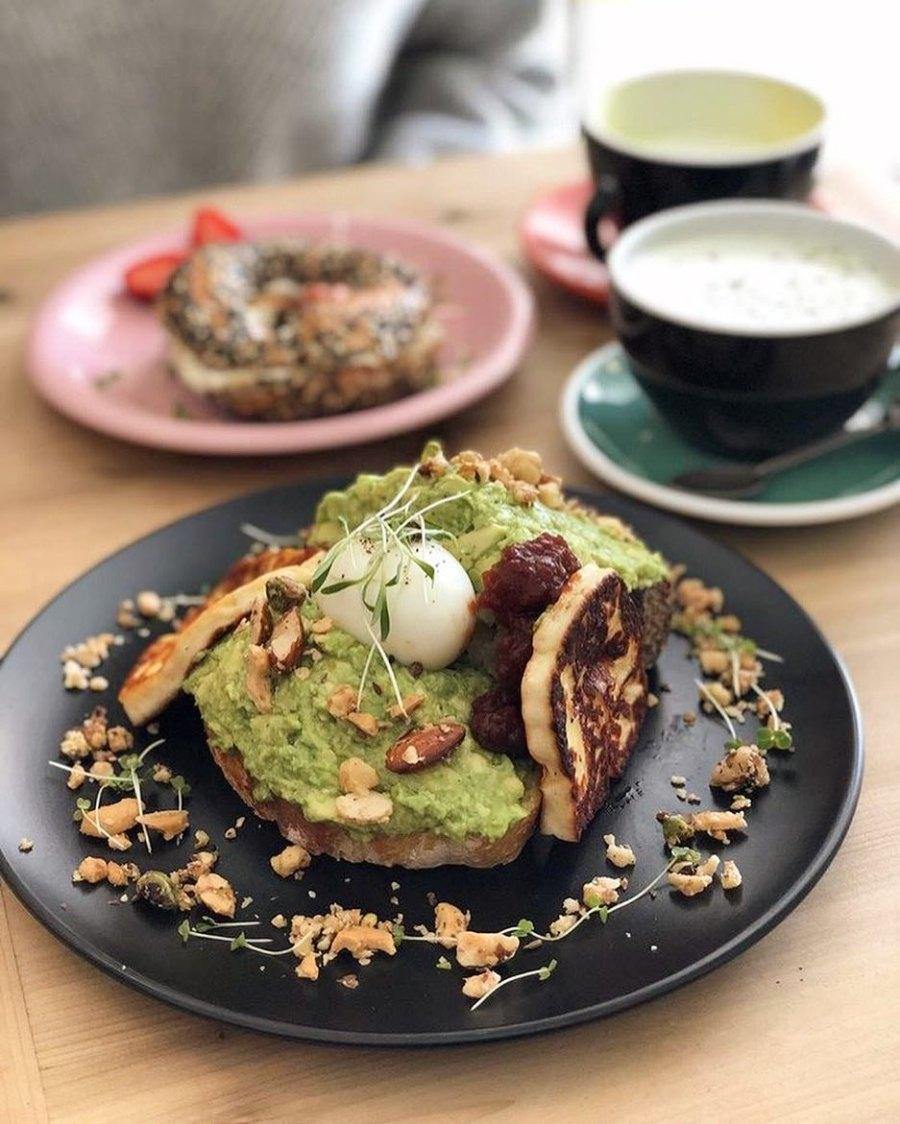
(743, 512)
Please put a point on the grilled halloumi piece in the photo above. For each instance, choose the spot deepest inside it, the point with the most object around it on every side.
(584, 696)
(161, 669)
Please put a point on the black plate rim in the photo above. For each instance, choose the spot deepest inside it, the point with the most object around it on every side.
(785, 904)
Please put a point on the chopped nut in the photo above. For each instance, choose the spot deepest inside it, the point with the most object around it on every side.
(677, 781)
(362, 940)
(170, 823)
(775, 698)
(356, 775)
(286, 642)
(148, 603)
(709, 866)
(411, 702)
(689, 884)
(716, 823)
(92, 870)
(619, 854)
(290, 860)
(321, 626)
(563, 924)
(350, 981)
(125, 615)
(424, 747)
(742, 767)
(484, 950)
(730, 877)
(283, 592)
(260, 622)
(602, 891)
(740, 802)
(714, 690)
(652, 700)
(364, 808)
(162, 774)
(729, 623)
(157, 888)
(101, 769)
(98, 683)
(230, 833)
(476, 987)
(308, 968)
(119, 842)
(74, 745)
(201, 838)
(571, 905)
(118, 739)
(449, 922)
(279, 921)
(116, 874)
(77, 776)
(201, 862)
(522, 464)
(689, 718)
(110, 819)
(75, 678)
(365, 723)
(714, 662)
(259, 686)
(342, 701)
(26, 845)
(217, 894)
(693, 594)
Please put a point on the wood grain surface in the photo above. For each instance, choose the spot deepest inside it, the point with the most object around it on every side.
(803, 1027)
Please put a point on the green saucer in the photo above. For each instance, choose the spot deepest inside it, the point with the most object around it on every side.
(616, 431)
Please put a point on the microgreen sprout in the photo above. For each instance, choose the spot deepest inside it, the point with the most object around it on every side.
(708, 695)
(542, 974)
(268, 538)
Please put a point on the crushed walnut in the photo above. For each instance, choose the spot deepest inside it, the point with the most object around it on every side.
(619, 854)
(288, 862)
(742, 767)
(484, 950)
(476, 987)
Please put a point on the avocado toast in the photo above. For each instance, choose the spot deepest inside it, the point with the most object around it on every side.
(332, 707)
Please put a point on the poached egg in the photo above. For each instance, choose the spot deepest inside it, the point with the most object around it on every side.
(431, 609)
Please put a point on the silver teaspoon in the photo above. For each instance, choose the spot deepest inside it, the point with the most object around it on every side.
(746, 479)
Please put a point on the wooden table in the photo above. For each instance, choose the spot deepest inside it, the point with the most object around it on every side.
(805, 1026)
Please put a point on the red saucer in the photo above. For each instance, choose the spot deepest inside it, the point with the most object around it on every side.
(552, 236)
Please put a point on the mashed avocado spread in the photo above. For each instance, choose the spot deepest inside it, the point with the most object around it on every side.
(485, 519)
(295, 751)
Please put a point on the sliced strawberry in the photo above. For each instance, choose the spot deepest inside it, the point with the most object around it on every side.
(146, 279)
(211, 225)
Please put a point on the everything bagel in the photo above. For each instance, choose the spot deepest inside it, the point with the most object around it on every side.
(289, 330)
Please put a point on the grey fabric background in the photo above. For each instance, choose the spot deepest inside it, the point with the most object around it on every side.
(103, 100)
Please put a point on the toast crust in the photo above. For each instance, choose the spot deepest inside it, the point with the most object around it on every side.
(417, 850)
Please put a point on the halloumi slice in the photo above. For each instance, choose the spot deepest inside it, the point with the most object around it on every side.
(584, 696)
(162, 667)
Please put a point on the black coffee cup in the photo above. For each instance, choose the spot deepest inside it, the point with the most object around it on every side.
(688, 136)
(755, 327)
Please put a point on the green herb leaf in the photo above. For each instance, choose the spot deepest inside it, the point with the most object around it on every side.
(592, 899)
(602, 914)
(733, 743)
(782, 739)
(336, 587)
(547, 971)
(524, 928)
(180, 785)
(685, 855)
(398, 933)
(765, 738)
(240, 941)
(83, 803)
(184, 931)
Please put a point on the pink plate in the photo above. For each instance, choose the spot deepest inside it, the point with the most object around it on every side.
(99, 357)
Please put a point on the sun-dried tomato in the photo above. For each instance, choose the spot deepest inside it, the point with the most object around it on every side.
(527, 578)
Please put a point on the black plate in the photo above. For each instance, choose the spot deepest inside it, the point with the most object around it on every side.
(644, 951)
